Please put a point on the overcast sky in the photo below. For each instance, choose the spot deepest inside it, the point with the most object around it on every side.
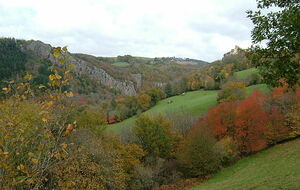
(153, 28)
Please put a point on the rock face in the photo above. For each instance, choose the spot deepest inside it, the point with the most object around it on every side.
(39, 48)
(98, 74)
(234, 51)
(138, 80)
(43, 51)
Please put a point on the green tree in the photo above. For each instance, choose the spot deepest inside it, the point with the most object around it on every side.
(144, 101)
(168, 90)
(156, 94)
(155, 136)
(279, 29)
(232, 91)
(92, 119)
(198, 154)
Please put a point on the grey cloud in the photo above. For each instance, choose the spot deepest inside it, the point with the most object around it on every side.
(162, 32)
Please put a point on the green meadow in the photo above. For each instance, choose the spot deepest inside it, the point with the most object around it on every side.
(273, 169)
(245, 73)
(196, 103)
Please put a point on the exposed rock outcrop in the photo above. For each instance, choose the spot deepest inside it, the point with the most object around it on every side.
(234, 51)
(98, 74)
(43, 51)
(138, 80)
(39, 48)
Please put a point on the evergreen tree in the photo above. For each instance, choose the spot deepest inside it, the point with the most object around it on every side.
(12, 59)
(168, 90)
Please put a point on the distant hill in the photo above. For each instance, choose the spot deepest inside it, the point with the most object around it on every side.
(188, 61)
(127, 60)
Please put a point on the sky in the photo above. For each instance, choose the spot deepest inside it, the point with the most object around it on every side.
(199, 29)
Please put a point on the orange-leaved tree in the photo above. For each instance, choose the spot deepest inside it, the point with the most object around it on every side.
(221, 119)
(251, 124)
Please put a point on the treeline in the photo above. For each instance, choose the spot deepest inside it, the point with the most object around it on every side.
(12, 59)
(121, 108)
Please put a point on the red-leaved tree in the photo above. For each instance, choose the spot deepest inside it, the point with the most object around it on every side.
(221, 119)
(251, 123)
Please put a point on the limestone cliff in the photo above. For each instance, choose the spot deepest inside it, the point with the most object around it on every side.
(92, 70)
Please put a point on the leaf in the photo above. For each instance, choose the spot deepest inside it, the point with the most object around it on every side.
(51, 77)
(48, 134)
(55, 83)
(65, 82)
(61, 60)
(30, 154)
(42, 86)
(50, 103)
(6, 90)
(57, 155)
(45, 120)
(64, 146)
(28, 76)
(57, 52)
(30, 181)
(69, 94)
(57, 76)
(20, 178)
(34, 160)
(21, 167)
(65, 48)
(21, 85)
(70, 127)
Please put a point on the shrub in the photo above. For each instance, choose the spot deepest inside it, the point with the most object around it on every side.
(253, 79)
(156, 94)
(92, 119)
(276, 130)
(230, 150)
(232, 91)
(93, 163)
(155, 135)
(182, 122)
(198, 155)
(144, 102)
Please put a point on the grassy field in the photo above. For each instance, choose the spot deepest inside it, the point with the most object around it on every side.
(121, 64)
(196, 103)
(277, 168)
(243, 74)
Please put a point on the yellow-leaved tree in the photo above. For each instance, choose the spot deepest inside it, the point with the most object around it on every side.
(33, 129)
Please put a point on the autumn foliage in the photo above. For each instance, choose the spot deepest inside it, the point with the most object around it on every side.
(197, 154)
(256, 121)
(251, 124)
(221, 119)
